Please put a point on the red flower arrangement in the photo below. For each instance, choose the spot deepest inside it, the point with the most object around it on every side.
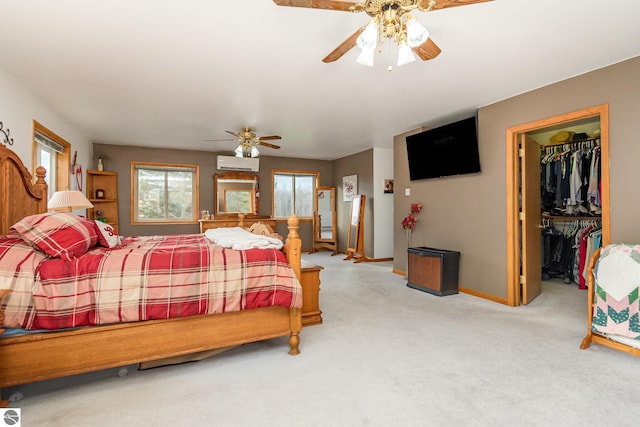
(409, 221)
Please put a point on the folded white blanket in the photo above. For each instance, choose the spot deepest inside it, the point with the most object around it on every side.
(238, 238)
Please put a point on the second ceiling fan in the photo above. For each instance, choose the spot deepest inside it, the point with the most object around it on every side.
(389, 19)
(247, 141)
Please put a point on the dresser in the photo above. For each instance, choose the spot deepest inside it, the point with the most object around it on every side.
(206, 224)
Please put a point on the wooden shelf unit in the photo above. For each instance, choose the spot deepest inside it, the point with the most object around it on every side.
(108, 183)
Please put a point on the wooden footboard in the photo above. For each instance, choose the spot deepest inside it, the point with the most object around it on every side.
(44, 356)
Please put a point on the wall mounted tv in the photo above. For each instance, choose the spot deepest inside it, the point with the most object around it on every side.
(444, 151)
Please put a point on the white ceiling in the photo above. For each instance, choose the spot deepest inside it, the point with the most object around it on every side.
(172, 73)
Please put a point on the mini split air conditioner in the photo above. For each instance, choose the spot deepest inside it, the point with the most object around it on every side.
(230, 163)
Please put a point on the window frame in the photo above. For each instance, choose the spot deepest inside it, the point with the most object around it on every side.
(63, 160)
(294, 173)
(166, 167)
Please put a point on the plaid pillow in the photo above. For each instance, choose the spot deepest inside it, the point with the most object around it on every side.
(58, 234)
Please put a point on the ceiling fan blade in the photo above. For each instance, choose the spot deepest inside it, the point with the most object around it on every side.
(269, 138)
(218, 140)
(427, 50)
(317, 4)
(232, 133)
(344, 47)
(266, 144)
(442, 4)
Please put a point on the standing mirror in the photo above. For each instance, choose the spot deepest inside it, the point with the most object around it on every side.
(324, 224)
(355, 239)
(234, 193)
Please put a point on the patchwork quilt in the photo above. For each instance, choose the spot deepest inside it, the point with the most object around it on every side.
(617, 291)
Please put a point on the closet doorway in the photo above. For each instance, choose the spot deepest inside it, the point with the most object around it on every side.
(524, 218)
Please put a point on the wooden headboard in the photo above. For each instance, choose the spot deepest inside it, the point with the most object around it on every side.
(19, 195)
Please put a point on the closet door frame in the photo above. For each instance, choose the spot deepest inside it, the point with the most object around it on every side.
(514, 190)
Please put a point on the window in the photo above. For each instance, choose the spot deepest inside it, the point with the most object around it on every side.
(164, 193)
(51, 152)
(293, 193)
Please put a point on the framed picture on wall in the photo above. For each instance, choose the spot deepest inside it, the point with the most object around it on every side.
(388, 186)
(349, 187)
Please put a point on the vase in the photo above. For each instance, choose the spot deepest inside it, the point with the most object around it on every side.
(408, 230)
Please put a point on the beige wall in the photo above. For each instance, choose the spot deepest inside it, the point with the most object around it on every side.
(468, 213)
(119, 158)
(360, 164)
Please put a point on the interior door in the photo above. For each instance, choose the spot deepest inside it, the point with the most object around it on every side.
(530, 220)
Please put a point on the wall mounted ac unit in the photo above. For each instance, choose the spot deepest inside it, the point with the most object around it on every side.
(230, 163)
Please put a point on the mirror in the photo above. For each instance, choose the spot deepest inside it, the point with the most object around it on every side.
(355, 239)
(324, 224)
(235, 192)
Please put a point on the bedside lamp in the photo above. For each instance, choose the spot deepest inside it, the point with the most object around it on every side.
(68, 201)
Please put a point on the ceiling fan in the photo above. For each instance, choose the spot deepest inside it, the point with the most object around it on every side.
(247, 141)
(389, 19)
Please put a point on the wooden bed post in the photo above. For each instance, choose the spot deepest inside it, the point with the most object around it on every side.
(294, 244)
(293, 247)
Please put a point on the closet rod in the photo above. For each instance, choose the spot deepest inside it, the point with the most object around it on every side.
(571, 218)
(596, 140)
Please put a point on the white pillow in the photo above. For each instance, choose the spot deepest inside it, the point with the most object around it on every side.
(107, 236)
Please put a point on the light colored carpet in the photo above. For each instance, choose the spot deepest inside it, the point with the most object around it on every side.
(385, 355)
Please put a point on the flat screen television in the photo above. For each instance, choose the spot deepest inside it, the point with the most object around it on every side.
(444, 151)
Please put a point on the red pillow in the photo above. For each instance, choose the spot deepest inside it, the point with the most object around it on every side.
(58, 234)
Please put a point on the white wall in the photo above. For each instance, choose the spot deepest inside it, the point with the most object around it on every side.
(19, 107)
(382, 204)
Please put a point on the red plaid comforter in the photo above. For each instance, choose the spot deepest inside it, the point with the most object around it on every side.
(151, 277)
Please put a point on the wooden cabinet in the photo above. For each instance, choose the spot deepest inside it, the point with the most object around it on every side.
(433, 270)
(102, 191)
(206, 224)
(310, 281)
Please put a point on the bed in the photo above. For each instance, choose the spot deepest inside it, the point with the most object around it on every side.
(52, 354)
(614, 298)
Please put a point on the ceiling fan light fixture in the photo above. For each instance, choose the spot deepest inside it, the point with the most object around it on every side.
(246, 150)
(366, 57)
(416, 32)
(368, 39)
(405, 55)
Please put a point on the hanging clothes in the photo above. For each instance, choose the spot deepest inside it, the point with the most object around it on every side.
(566, 248)
(570, 178)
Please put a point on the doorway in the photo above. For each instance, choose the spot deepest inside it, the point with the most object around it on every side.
(524, 263)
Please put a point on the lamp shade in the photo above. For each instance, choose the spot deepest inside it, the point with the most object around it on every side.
(68, 200)
(405, 55)
(416, 32)
(368, 39)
